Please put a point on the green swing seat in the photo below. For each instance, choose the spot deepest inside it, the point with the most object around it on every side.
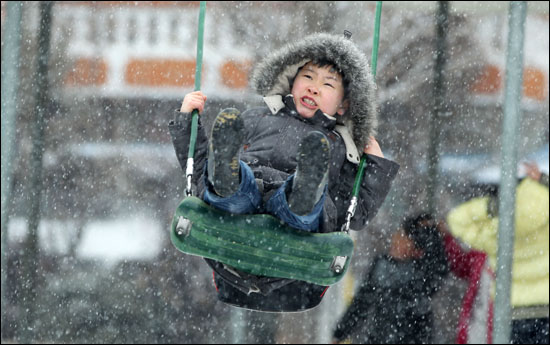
(260, 244)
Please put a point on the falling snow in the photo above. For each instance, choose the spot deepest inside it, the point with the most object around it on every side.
(99, 267)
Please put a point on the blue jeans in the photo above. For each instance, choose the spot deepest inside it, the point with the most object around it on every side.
(248, 200)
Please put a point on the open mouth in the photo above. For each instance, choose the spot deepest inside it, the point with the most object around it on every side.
(308, 102)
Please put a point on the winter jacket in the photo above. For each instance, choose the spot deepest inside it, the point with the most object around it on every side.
(271, 148)
(273, 134)
(394, 302)
(476, 223)
(472, 223)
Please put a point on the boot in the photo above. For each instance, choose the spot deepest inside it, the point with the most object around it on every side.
(226, 140)
(311, 173)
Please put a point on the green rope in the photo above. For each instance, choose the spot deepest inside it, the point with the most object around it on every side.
(362, 164)
(195, 113)
(374, 61)
(198, 69)
(359, 175)
(376, 38)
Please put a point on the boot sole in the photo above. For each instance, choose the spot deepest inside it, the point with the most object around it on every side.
(311, 173)
(225, 143)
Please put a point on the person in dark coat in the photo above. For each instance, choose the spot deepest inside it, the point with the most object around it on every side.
(393, 303)
(320, 108)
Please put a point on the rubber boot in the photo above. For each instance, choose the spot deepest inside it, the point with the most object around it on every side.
(226, 141)
(311, 175)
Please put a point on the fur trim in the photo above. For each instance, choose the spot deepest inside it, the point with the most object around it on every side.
(273, 75)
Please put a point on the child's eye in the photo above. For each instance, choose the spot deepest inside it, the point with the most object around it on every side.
(329, 84)
(307, 76)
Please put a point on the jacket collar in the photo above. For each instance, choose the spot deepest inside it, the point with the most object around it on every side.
(277, 104)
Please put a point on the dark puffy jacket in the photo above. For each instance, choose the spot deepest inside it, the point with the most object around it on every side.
(271, 148)
(393, 304)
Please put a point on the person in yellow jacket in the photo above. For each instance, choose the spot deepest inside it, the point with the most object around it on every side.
(476, 223)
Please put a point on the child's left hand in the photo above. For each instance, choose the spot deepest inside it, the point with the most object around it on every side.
(372, 148)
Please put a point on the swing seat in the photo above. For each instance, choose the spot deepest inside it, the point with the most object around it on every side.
(260, 244)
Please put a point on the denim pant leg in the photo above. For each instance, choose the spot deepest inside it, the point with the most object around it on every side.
(277, 205)
(246, 200)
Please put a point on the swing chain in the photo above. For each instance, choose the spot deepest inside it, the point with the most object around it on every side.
(349, 214)
(189, 175)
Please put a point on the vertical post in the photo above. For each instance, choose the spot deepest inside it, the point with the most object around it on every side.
(11, 40)
(439, 98)
(238, 324)
(31, 255)
(507, 189)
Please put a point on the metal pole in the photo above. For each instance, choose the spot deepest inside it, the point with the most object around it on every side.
(11, 40)
(238, 324)
(508, 181)
(439, 97)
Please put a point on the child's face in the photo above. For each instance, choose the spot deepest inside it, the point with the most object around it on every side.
(318, 88)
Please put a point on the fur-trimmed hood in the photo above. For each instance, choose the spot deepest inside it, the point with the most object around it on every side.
(272, 76)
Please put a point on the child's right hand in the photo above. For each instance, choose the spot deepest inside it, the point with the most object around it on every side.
(372, 148)
(193, 100)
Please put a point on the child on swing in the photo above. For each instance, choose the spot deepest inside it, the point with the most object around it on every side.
(296, 158)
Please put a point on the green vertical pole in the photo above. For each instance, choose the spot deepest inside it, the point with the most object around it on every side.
(508, 181)
(11, 41)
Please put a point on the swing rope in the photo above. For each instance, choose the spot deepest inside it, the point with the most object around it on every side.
(362, 164)
(195, 114)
